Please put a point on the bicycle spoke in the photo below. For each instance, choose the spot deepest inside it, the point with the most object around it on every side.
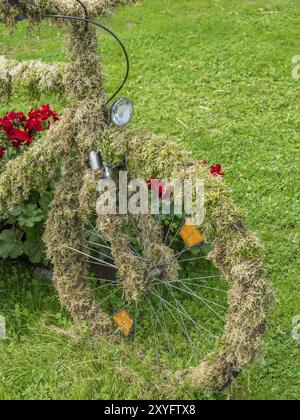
(138, 310)
(196, 278)
(193, 259)
(203, 300)
(207, 300)
(97, 244)
(93, 258)
(199, 327)
(197, 285)
(98, 252)
(104, 285)
(154, 328)
(97, 263)
(158, 320)
(111, 294)
(164, 321)
(169, 230)
(182, 252)
(105, 280)
(136, 253)
(197, 296)
(182, 326)
(174, 237)
(97, 233)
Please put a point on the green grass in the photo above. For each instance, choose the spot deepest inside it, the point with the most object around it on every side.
(216, 77)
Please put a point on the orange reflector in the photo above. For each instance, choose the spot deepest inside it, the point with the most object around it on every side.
(124, 321)
(191, 235)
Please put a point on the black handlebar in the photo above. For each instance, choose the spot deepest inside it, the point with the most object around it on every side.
(91, 22)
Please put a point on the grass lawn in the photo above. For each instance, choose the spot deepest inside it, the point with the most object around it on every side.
(215, 75)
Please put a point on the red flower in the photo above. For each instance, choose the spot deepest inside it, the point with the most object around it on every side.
(43, 114)
(6, 124)
(55, 117)
(18, 135)
(34, 125)
(158, 186)
(19, 117)
(203, 162)
(216, 170)
(36, 114)
(2, 151)
(21, 130)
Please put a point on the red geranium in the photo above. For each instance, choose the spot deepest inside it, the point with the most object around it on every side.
(34, 125)
(43, 114)
(21, 130)
(6, 124)
(216, 170)
(17, 117)
(158, 186)
(19, 135)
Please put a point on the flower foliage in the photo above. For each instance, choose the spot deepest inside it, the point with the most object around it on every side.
(21, 233)
(18, 131)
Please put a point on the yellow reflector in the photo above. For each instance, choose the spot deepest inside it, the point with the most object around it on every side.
(191, 235)
(124, 321)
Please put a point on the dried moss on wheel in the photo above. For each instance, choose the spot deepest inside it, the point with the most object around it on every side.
(237, 251)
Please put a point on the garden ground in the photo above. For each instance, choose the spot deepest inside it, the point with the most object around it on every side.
(216, 77)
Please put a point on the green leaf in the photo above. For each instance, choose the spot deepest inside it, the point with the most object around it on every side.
(45, 200)
(14, 214)
(11, 245)
(11, 221)
(34, 250)
(30, 215)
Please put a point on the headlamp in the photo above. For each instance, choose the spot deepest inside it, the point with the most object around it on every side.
(121, 112)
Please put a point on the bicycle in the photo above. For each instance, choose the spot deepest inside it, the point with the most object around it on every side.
(141, 252)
